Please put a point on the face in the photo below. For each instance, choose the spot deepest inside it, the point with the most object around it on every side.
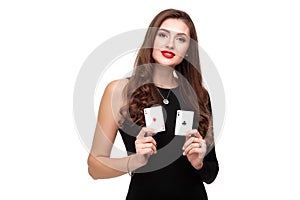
(171, 42)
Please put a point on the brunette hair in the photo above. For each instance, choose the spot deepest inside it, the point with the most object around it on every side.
(146, 94)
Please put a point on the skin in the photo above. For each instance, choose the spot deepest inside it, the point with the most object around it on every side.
(172, 36)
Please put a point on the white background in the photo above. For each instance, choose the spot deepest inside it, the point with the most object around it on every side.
(43, 44)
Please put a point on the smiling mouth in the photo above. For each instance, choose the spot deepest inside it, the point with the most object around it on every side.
(168, 54)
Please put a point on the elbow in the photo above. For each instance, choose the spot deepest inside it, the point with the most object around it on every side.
(209, 171)
(91, 173)
(213, 175)
(91, 167)
(98, 170)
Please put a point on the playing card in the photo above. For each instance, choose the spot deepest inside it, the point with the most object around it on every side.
(154, 118)
(184, 122)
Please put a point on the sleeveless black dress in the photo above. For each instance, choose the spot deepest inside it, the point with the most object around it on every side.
(168, 174)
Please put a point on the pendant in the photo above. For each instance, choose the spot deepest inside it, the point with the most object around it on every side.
(166, 101)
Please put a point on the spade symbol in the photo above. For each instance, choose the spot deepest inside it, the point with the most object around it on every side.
(183, 123)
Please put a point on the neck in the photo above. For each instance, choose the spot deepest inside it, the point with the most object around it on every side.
(163, 77)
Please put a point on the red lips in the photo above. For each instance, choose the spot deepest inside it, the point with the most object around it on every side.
(168, 54)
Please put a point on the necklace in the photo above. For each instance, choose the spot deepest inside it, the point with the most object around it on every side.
(165, 100)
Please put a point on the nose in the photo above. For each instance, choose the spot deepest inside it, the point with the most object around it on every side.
(170, 43)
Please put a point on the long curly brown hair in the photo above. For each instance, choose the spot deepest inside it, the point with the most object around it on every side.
(146, 95)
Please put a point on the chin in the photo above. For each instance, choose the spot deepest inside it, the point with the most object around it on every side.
(166, 64)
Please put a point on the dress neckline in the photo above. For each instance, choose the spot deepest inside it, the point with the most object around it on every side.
(161, 88)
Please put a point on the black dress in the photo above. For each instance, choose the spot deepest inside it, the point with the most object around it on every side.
(168, 174)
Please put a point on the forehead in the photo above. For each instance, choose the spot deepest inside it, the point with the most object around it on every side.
(176, 25)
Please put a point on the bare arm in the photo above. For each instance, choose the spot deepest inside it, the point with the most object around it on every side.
(100, 165)
(99, 162)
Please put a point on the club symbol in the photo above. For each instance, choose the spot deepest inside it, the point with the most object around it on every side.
(183, 123)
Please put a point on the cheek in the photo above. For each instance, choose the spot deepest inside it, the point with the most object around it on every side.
(155, 53)
(158, 43)
(181, 52)
(182, 49)
(157, 46)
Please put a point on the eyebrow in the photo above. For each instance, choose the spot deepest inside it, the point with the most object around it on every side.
(162, 29)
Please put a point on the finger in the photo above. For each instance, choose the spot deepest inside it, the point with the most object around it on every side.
(147, 151)
(190, 133)
(200, 151)
(145, 131)
(150, 145)
(194, 151)
(154, 149)
(147, 145)
(202, 148)
(197, 134)
(149, 140)
(197, 143)
(140, 148)
(141, 144)
(192, 146)
(203, 143)
(190, 141)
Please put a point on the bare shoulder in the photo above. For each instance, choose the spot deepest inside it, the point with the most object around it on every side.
(116, 87)
(118, 84)
(113, 95)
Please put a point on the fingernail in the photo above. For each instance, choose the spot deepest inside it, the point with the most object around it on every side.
(182, 148)
(183, 153)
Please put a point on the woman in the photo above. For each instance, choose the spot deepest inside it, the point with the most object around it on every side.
(167, 73)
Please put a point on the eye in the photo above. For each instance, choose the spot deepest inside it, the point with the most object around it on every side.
(181, 39)
(163, 35)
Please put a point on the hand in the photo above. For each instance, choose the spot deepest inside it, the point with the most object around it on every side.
(194, 148)
(145, 145)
